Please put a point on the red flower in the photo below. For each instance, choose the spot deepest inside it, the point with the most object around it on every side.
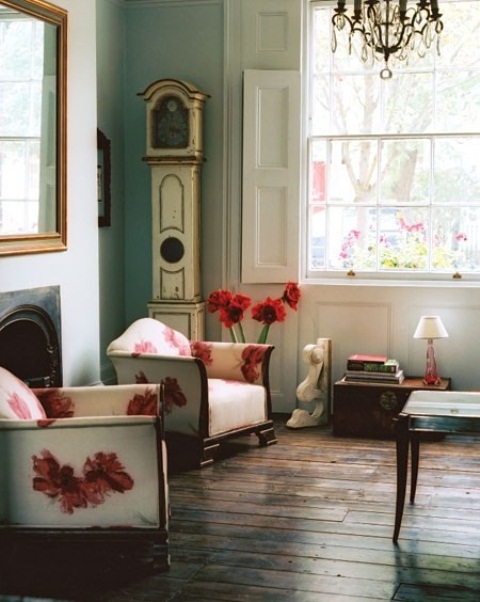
(173, 394)
(291, 295)
(56, 403)
(103, 475)
(218, 299)
(232, 310)
(143, 405)
(202, 350)
(144, 347)
(252, 357)
(19, 406)
(269, 311)
(57, 481)
(140, 378)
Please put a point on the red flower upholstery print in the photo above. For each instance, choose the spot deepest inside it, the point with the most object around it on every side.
(203, 351)
(177, 340)
(19, 407)
(252, 357)
(141, 379)
(56, 403)
(144, 347)
(173, 394)
(143, 405)
(101, 476)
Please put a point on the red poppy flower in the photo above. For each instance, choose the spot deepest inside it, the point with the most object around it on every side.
(269, 311)
(291, 295)
(218, 299)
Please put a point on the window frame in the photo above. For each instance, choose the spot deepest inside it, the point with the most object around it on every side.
(395, 276)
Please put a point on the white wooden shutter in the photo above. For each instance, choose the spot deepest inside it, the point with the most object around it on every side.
(271, 176)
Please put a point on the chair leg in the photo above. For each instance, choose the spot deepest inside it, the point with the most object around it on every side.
(208, 453)
(266, 436)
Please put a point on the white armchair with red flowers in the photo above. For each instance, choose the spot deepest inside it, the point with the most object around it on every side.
(212, 390)
(83, 462)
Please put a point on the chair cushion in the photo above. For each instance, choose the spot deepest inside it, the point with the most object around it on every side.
(17, 401)
(148, 335)
(235, 405)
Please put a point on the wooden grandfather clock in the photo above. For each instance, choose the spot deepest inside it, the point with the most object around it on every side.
(175, 156)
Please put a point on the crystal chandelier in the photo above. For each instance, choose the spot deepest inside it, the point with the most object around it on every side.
(382, 29)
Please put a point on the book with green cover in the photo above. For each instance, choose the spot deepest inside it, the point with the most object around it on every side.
(390, 367)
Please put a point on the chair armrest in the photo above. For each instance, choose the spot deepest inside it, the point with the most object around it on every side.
(184, 380)
(123, 400)
(235, 361)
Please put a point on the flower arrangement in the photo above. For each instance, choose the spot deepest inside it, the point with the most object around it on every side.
(232, 308)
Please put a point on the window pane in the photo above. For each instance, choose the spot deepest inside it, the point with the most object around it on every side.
(456, 233)
(351, 236)
(405, 171)
(457, 171)
(353, 168)
(404, 238)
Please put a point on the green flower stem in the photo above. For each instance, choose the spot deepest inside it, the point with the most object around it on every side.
(262, 339)
(233, 334)
(242, 333)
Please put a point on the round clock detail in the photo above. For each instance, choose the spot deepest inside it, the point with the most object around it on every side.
(171, 124)
(172, 249)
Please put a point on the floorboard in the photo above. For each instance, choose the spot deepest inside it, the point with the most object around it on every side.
(307, 520)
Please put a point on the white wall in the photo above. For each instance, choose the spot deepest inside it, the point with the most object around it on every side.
(75, 270)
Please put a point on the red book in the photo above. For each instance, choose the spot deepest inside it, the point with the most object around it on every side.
(368, 359)
(357, 361)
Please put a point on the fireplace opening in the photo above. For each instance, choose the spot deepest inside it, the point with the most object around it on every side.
(30, 340)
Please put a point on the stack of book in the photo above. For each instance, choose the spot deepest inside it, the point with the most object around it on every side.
(373, 368)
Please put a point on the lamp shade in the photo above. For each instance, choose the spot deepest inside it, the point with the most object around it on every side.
(430, 327)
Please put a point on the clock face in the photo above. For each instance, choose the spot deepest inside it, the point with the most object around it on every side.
(171, 124)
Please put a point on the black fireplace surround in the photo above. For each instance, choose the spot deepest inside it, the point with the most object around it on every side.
(30, 335)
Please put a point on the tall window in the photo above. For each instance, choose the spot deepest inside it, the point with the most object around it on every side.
(394, 166)
(21, 74)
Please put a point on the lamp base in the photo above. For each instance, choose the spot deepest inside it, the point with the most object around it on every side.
(431, 377)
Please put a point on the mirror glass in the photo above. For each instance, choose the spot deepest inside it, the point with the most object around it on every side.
(32, 127)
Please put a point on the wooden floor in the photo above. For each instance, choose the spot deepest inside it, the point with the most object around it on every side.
(310, 519)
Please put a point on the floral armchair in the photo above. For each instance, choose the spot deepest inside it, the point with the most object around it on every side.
(212, 390)
(83, 462)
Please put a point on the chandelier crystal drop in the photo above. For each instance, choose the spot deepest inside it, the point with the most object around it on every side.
(386, 29)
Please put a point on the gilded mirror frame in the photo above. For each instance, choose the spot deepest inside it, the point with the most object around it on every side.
(18, 244)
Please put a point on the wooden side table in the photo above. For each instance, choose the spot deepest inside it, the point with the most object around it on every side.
(428, 412)
(367, 409)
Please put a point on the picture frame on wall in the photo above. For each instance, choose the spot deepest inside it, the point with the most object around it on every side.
(103, 179)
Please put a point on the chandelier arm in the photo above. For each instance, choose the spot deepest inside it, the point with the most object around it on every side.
(390, 28)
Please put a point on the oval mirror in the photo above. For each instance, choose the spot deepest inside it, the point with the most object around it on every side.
(32, 127)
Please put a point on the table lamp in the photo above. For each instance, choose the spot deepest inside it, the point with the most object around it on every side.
(430, 327)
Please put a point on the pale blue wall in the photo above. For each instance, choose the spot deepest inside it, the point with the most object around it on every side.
(111, 53)
(180, 42)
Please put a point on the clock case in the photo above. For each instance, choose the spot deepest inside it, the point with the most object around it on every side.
(158, 97)
(176, 207)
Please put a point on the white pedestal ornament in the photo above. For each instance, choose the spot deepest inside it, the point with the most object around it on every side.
(316, 387)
